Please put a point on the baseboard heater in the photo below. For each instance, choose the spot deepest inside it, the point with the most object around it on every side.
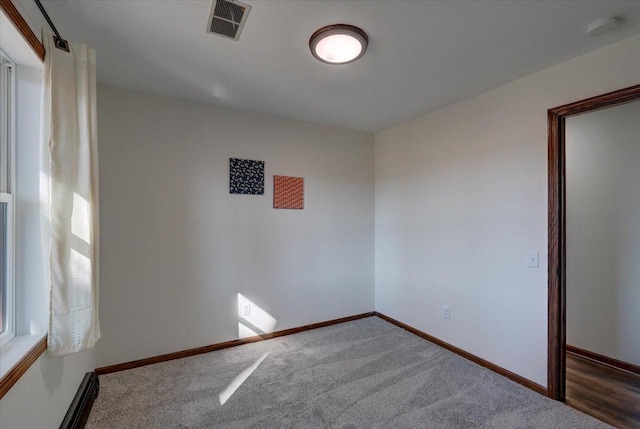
(80, 408)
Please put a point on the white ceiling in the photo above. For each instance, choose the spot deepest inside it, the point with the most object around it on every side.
(423, 55)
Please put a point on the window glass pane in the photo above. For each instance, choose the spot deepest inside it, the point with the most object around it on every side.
(6, 217)
(3, 265)
(4, 124)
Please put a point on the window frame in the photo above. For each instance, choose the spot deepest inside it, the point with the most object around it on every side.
(7, 196)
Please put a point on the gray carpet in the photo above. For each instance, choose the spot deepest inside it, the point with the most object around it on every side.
(362, 374)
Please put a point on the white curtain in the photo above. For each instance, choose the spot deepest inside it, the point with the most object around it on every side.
(69, 194)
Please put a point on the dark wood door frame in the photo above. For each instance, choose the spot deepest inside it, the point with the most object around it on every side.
(557, 228)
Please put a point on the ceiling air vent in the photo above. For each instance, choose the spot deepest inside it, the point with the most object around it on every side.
(227, 18)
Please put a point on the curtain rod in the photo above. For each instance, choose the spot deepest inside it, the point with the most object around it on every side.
(59, 41)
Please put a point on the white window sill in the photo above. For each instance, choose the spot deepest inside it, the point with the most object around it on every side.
(16, 350)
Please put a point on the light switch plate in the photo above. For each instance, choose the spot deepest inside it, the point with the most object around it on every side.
(533, 260)
(446, 312)
(246, 309)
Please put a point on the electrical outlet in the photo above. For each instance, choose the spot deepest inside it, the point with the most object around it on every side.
(446, 312)
(246, 309)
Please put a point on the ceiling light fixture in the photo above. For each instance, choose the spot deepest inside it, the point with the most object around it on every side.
(603, 26)
(338, 44)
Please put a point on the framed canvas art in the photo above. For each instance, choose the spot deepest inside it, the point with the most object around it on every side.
(246, 176)
(288, 192)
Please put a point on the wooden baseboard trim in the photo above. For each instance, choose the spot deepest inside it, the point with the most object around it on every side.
(473, 358)
(22, 366)
(605, 360)
(78, 413)
(233, 343)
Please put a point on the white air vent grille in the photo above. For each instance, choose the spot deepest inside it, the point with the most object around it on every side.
(227, 18)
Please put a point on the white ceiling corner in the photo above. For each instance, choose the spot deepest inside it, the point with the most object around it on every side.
(423, 55)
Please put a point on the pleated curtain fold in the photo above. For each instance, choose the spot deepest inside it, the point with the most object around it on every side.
(69, 196)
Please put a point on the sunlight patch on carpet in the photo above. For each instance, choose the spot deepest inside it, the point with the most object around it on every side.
(239, 380)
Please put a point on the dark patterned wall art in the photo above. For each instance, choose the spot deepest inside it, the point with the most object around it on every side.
(288, 192)
(246, 176)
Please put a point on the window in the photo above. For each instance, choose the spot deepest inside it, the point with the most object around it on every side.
(7, 146)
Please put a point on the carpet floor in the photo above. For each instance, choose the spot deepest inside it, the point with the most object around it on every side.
(362, 374)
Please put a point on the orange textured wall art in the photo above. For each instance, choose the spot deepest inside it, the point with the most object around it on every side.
(288, 192)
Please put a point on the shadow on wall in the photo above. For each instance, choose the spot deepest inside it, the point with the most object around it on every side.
(52, 372)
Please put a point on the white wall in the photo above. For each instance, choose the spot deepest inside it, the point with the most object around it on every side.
(177, 248)
(461, 198)
(42, 396)
(603, 232)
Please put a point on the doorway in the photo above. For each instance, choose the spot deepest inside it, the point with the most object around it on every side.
(557, 252)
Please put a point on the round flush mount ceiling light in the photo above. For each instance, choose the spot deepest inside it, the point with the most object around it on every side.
(603, 26)
(338, 44)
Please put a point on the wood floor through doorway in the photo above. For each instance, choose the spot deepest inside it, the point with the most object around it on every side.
(604, 392)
